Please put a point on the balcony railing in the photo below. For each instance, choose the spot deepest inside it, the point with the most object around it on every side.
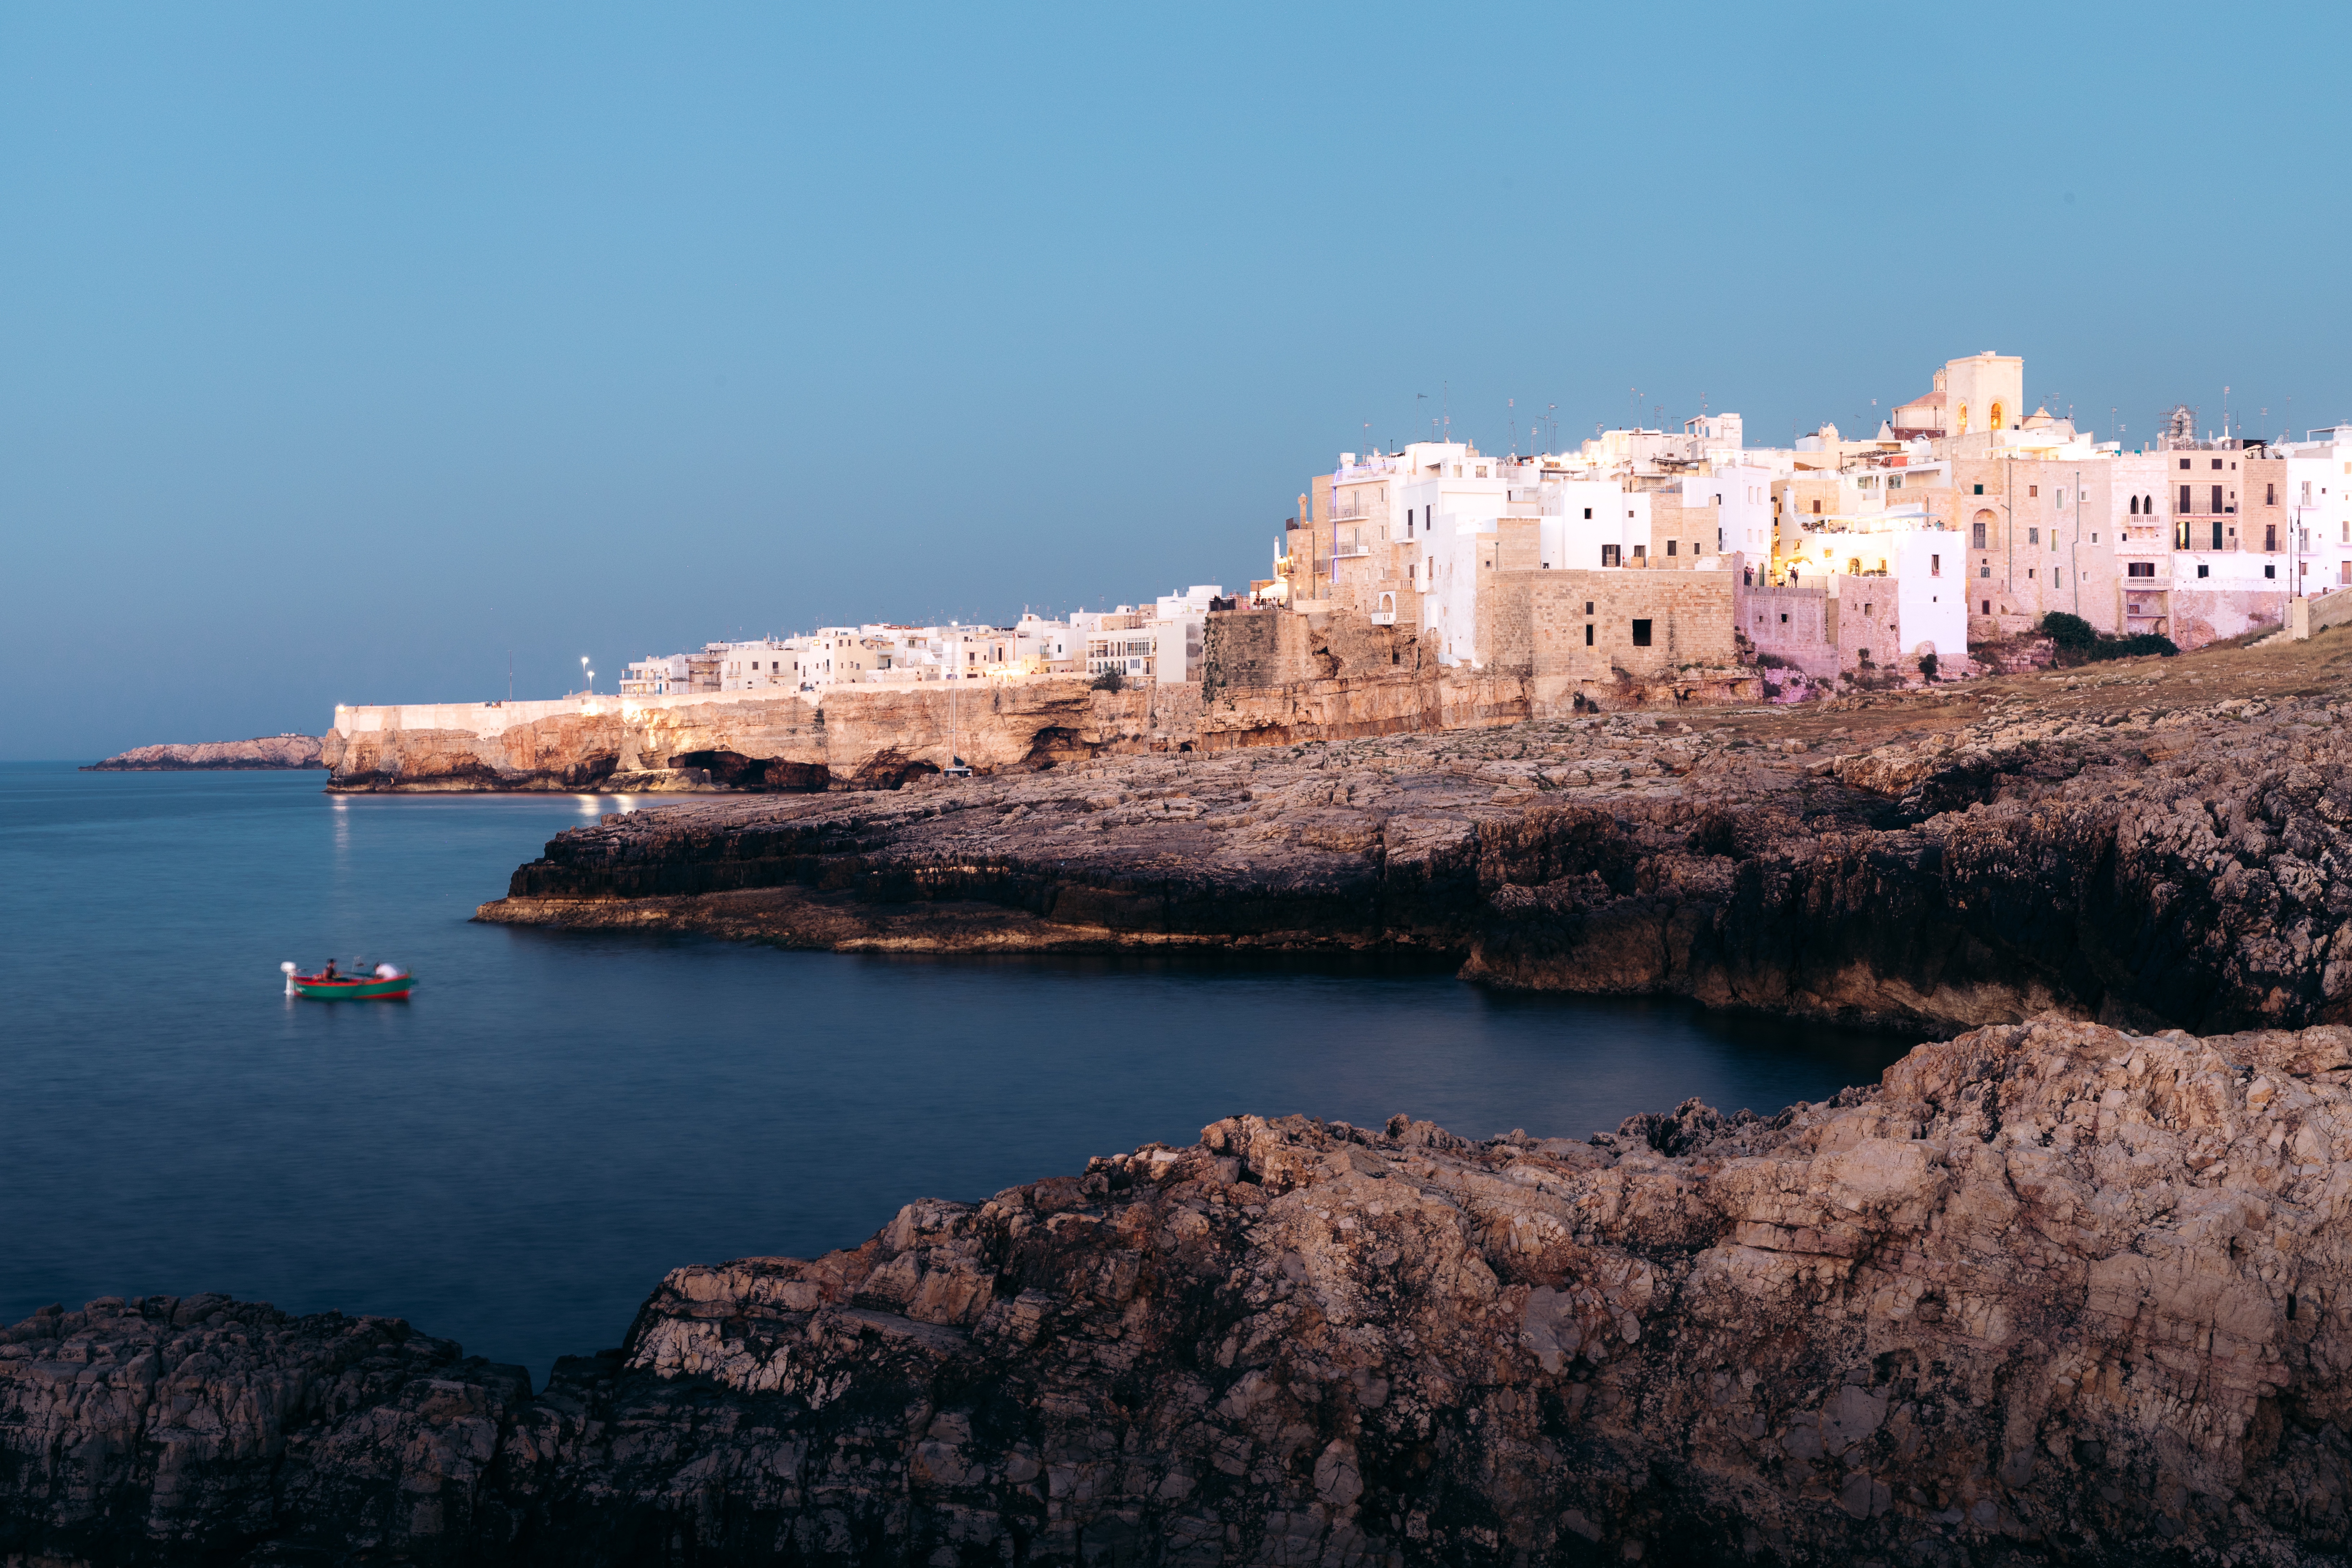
(1350, 551)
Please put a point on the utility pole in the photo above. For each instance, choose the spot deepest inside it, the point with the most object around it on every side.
(2009, 524)
(2075, 547)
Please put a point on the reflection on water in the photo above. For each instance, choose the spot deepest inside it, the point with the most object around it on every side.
(517, 1155)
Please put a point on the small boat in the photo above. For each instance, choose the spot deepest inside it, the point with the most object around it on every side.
(385, 982)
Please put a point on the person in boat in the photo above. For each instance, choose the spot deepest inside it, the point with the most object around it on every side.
(328, 972)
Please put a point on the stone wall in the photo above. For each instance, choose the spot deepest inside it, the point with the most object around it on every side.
(1538, 622)
(1791, 625)
(2200, 616)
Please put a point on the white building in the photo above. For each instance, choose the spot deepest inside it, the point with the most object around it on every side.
(2319, 499)
(1923, 565)
(661, 677)
(762, 665)
(1119, 641)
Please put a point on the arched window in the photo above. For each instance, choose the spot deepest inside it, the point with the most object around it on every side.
(1964, 421)
(2135, 505)
(1996, 424)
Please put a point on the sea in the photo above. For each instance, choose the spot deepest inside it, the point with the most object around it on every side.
(514, 1157)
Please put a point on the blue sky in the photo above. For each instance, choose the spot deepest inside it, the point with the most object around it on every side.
(345, 350)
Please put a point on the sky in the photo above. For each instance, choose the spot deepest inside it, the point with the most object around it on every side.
(366, 353)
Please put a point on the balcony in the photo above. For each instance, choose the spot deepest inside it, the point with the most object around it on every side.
(1383, 617)
(1350, 551)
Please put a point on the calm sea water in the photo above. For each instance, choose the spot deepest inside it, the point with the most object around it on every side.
(515, 1155)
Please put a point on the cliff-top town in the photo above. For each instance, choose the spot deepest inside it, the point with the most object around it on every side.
(1650, 553)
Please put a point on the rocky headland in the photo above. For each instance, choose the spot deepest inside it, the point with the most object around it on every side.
(2151, 843)
(288, 751)
(2048, 1292)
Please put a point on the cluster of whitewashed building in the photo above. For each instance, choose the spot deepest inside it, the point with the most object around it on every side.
(1963, 520)
(1158, 641)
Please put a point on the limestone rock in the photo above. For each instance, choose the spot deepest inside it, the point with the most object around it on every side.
(2006, 863)
(288, 751)
(2050, 1291)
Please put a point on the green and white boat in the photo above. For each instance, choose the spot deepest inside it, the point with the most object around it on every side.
(384, 983)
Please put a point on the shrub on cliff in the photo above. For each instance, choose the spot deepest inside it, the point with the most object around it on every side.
(2078, 643)
(2072, 633)
(2134, 647)
(1110, 680)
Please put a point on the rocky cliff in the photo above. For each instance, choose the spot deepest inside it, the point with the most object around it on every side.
(1341, 678)
(267, 752)
(2048, 1292)
(880, 739)
(2164, 844)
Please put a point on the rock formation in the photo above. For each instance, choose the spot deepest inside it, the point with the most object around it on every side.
(2164, 843)
(1336, 678)
(2051, 1292)
(288, 751)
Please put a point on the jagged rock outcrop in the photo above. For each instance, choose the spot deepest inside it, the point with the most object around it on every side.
(287, 751)
(2050, 1292)
(2153, 856)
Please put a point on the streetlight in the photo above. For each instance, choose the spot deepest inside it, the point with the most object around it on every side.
(586, 673)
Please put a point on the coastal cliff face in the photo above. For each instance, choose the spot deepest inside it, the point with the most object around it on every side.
(883, 738)
(2050, 1290)
(266, 753)
(1340, 679)
(850, 738)
(1344, 678)
(2139, 846)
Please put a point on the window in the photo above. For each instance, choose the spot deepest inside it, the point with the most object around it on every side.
(2217, 534)
(1817, 508)
(2034, 489)
(2217, 464)
(1588, 634)
(2135, 505)
(2270, 495)
(1784, 617)
(1587, 514)
(1985, 572)
(1980, 488)
(1976, 535)
(2203, 571)
(1641, 553)
(2188, 496)
(1988, 607)
(2139, 569)
(1641, 634)
(2270, 536)
(1670, 546)
(2217, 497)
(2184, 462)
(1609, 555)
(1588, 606)
(2271, 571)
(1935, 566)
(2033, 536)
